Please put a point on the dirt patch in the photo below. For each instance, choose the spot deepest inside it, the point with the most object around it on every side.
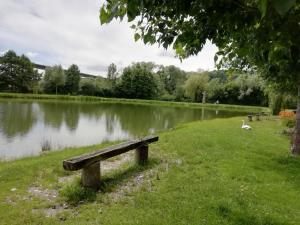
(142, 181)
(53, 211)
(51, 197)
(45, 194)
(69, 178)
(109, 165)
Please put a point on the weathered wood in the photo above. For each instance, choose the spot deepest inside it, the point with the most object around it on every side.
(141, 154)
(257, 117)
(82, 161)
(250, 118)
(90, 176)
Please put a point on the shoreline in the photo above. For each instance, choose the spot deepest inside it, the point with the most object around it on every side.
(94, 99)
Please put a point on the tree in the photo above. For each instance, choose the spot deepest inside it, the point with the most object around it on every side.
(54, 79)
(279, 99)
(173, 77)
(261, 35)
(138, 81)
(196, 86)
(216, 89)
(88, 86)
(17, 73)
(95, 86)
(112, 73)
(72, 79)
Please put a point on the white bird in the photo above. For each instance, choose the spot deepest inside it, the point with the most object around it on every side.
(246, 126)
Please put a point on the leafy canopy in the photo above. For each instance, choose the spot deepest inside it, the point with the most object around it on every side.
(138, 81)
(54, 79)
(196, 85)
(251, 34)
(17, 73)
(72, 79)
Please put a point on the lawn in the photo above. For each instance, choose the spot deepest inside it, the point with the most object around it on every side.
(208, 172)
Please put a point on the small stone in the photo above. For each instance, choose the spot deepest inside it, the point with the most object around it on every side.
(13, 189)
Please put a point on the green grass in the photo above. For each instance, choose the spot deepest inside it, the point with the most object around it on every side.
(209, 172)
(131, 101)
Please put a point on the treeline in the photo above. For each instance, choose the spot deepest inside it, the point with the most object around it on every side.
(143, 80)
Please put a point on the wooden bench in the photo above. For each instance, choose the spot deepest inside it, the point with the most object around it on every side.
(90, 163)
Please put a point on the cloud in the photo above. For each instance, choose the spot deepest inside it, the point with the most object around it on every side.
(3, 52)
(101, 68)
(166, 53)
(69, 32)
(31, 55)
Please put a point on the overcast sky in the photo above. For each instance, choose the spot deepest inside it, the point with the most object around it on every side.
(68, 31)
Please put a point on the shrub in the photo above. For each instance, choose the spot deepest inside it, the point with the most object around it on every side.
(287, 114)
(289, 122)
(167, 97)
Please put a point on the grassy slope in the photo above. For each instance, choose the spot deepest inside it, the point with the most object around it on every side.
(227, 176)
(131, 101)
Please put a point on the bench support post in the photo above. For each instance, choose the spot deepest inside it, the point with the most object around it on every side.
(250, 118)
(141, 154)
(257, 117)
(90, 176)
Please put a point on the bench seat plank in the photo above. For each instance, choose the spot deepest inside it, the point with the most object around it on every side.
(82, 161)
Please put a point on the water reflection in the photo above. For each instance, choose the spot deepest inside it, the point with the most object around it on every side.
(17, 119)
(26, 127)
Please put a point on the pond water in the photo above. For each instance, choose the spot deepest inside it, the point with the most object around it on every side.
(29, 127)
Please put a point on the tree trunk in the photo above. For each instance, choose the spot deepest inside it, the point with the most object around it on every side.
(56, 90)
(296, 137)
(204, 97)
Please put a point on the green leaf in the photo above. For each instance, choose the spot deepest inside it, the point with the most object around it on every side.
(137, 36)
(216, 58)
(179, 49)
(104, 16)
(283, 6)
(263, 4)
(149, 38)
(132, 10)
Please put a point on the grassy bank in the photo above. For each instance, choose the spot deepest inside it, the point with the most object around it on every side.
(209, 172)
(132, 101)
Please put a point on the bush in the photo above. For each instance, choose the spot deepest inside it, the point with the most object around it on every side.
(289, 122)
(167, 97)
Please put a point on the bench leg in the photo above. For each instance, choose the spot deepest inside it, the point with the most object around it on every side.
(142, 154)
(90, 176)
(250, 118)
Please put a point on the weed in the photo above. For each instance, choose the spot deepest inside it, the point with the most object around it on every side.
(74, 193)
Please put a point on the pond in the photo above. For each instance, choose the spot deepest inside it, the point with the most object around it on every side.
(29, 127)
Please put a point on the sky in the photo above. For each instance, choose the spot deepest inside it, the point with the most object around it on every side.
(68, 32)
